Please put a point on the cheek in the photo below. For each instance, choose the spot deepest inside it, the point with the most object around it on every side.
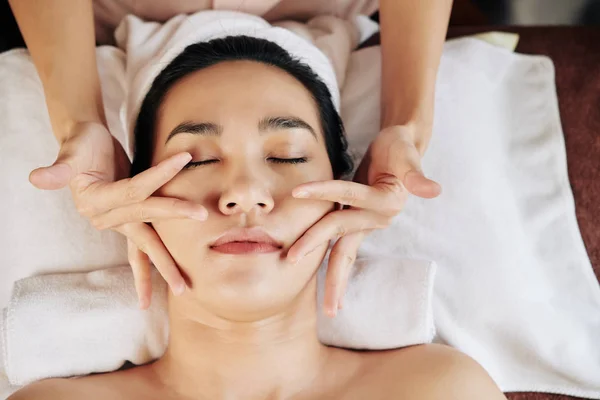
(179, 237)
(296, 216)
(186, 240)
(301, 213)
(185, 187)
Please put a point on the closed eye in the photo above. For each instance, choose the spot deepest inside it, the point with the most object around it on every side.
(276, 160)
(195, 164)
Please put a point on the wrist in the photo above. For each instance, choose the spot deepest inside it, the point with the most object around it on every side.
(415, 132)
(65, 121)
(406, 108)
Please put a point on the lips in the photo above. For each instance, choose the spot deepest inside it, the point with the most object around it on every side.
(246, 241)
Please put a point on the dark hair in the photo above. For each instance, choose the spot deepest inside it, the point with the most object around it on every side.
(205, 54)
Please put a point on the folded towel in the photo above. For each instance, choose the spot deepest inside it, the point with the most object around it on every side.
(402, 287)
(6, 389)
(103, 326)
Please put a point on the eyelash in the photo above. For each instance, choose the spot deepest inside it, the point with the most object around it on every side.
(195, 164)
(275, 160)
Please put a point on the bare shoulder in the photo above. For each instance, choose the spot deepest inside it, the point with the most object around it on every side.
(50, 389)
(426, 372)
(115, 386)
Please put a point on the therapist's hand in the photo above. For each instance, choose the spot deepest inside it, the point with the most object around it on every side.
(390, 170)
(96, 168)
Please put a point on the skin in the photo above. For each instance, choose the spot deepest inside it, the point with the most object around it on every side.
(60, 37)
(246, 329)
(412, 38)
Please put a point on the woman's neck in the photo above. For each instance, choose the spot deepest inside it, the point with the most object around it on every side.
(274, 357)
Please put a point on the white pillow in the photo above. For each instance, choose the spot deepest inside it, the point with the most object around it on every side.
(41, 230)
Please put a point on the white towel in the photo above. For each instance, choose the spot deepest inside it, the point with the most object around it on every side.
(6, 389)
(102, 325)
(514, 289)
(151, 46)
(91, 321)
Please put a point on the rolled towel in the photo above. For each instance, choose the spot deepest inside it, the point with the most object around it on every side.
(79, 323)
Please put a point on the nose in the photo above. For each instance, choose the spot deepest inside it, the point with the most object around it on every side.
(246, 197)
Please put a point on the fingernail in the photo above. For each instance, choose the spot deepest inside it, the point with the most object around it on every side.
(201, 215)
(142, 304)
(178, 289)
(332, 312)
(183, 158)
(305, 253)
(293, 259)
(301, 194)
(302, 254)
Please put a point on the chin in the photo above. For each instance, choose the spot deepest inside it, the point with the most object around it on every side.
(250, 299)
(253, 287)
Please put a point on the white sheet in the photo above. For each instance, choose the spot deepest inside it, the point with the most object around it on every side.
(515, 288)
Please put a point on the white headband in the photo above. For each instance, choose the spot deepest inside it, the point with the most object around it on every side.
(150, 47)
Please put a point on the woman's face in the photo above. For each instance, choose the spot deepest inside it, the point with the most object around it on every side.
(254, 134)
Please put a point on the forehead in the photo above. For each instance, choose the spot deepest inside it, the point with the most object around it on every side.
(242, 91)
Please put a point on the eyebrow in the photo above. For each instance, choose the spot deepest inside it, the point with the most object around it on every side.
(266, 124)
(277, 123)
(196, 128)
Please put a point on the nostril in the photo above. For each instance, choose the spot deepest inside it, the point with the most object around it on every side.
(262, 205)
(230, 205)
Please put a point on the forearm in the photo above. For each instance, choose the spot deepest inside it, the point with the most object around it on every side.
(412, 38)
(60, 38)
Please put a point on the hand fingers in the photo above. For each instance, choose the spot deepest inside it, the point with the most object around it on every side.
(53, 177)
(341, 259)
(419, 185)
(148, 242)
(103, 196)
(68, 163)
(142, 274)
(386, 196)
(90, 141)
(407, 167)
(333, 225)
(395, 153)
(150, 210)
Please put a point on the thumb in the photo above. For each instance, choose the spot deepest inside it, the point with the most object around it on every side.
(53, 177)
(416, 183)
(57, 175)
